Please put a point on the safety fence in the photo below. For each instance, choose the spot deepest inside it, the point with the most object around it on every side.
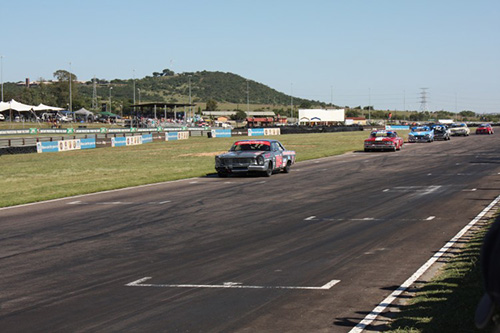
(79, 141)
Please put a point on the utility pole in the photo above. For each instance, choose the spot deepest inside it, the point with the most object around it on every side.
(248, 100)
(291, 100)
(133, 96)
(190, 107)
(94, 93)
(423, 99)
(1, 73)
(70, 97)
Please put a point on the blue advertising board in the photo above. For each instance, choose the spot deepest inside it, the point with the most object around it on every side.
(221, 133)
(147, 138)
(255, 131)
(118, 142)
(396, 127)
(47, 147)
(87, 143)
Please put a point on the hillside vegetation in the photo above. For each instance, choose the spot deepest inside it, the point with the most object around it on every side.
(209, 91)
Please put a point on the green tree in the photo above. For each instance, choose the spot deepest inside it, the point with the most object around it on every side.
(211, 105)
(239, 116)
(467, 114)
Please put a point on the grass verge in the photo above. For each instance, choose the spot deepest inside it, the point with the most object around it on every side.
(36, 177)
(447, 303)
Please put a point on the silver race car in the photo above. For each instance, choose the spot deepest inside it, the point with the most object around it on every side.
(261, 156)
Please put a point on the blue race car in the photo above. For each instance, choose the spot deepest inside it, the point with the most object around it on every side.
(421, 134)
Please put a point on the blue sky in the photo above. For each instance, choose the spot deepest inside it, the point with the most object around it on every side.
(352, 52)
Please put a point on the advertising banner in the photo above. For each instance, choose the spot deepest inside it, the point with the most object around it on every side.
(255, 131)
(147, 138)
(88, 143)
(57, 146)
(172, 136)
(118, 142)
(272, 131)
(221, 133)
(134, 140)
(47, 147)
(396, 127)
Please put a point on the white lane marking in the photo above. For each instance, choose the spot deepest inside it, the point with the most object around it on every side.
(411, 280)
(429, 174)
(193, 182)
(417, 189)
(76, 203)
(470, 190)
(430, 218)
(231, 285)
(96, 193)
(114, 203)
(310, 218)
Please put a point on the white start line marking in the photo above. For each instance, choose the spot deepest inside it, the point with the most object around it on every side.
(117, 203)
(230, 285)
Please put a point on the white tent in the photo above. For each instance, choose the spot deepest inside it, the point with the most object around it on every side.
(84, 112)
(43, 107)
(4, 106)
(16, 106)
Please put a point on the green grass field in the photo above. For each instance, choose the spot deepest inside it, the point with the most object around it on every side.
(36, 177)
(448, 302)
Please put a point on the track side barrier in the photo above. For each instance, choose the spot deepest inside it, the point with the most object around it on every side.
(263, 131)
(172, 136)
(220, 133)
(65, 145)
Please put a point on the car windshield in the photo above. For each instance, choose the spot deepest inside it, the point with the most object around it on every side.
(484, 125)
(420, 129)
(251, 146)
(458, 125)
(382, 135)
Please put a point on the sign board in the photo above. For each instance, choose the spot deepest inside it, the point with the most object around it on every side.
(321, 115)
(221, 133)
(65, 145)
(172, 136)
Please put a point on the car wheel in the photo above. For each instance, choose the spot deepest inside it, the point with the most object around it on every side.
(269, 170)
(222, 174)
(286, 169)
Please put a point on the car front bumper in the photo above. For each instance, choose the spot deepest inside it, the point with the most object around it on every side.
(419, 139)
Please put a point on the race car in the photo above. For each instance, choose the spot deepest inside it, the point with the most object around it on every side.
(459, 129)
(261, 156)
(484, 129)
(421, 134)
(383, 140)
(441, 132)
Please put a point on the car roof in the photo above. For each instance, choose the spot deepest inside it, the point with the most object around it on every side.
(251, 140)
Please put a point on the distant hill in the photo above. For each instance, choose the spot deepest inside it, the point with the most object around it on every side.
(165, 86)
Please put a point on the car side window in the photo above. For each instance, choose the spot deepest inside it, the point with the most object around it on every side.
(280, 146)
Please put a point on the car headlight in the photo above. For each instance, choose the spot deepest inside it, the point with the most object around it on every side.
(218, 161)
(260, 160)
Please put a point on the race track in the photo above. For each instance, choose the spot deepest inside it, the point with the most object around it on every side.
(313, 250)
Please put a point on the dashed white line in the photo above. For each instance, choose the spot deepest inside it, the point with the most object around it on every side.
(310, 218)
(430, 218)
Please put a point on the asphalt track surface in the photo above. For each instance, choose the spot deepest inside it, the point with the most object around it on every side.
(313, 250)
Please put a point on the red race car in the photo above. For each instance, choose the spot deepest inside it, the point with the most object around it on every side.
(383, 140)
(484, 129)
